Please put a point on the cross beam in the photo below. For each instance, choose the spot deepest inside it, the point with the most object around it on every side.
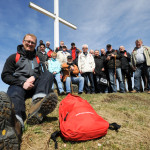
(54, 16)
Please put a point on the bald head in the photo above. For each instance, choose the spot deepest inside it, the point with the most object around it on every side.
(121, 48)
(103, 51)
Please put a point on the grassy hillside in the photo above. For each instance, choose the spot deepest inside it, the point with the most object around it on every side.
(131, 111)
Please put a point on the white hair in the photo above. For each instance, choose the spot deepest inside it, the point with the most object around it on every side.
(85, 45)
(48, 42)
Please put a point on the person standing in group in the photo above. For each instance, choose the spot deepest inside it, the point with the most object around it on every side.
(48, 47)
(62, 55)
(125, 67)
(60, 48)
(86, 66)
(140, 61)
(74, 51)
(101, 84)
(113, 65)
(38, 47)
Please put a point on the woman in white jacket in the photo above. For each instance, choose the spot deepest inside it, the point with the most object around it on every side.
(86, 66)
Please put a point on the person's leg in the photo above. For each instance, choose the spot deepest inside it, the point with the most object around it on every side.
(17, 95)
(137, 79)
(129, 81)
(43, 85)
(123, 71)
(80, 81)
(112, 80)
(44, 100)
(119, 75)
(98, 86)
(59, 83)
(68, 83)
(86, 87)
(90, 75)
(148, 78)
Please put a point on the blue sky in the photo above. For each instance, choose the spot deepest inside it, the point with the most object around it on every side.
(98, 22)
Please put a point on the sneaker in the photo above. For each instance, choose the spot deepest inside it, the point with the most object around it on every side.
(80, 93)
(10, 127)
(62, 93)
(41, 108)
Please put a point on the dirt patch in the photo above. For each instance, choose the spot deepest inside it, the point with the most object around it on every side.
(112, 98)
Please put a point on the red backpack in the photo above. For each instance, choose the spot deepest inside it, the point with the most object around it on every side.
(79, 121)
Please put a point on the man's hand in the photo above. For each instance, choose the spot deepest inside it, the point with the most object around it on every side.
(108, 58)
(71, 68)
(31, 79)
(103, 69)
(28, 86)
(134, 68)
(112, 55)
(125, 55)
(54, 73)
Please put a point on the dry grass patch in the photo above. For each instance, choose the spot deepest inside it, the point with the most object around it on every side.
(131, 111)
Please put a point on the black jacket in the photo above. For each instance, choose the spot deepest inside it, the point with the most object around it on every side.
(16, 73)
(99, 64)
(125, 60)
(111, 63)
(58, 49)
(42, 57)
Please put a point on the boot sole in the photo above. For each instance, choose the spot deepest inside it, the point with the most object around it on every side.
(47, 105)
(8, 137)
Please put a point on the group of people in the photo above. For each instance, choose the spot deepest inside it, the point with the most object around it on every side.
(95, 72)
(32, 72)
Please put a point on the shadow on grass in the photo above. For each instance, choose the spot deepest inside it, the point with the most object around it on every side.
(49, 119)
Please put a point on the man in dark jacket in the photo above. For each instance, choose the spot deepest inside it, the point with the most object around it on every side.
(99, 74)
(43, 57)
(125, 66)
(60, 48)
(113, 64)
(21, 72)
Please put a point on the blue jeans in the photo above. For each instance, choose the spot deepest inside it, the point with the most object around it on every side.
(141, 68)
(88, 76)
(59, 83)
(18, 95)
(112, 80)
(75, 80)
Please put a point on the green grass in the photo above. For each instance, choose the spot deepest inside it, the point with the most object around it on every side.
(131, 111)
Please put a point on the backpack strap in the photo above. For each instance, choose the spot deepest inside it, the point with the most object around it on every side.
(114, 126)
(17, 57)
(54, 136)
(37, 59)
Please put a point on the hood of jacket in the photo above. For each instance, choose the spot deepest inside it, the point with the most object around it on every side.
(27, 54)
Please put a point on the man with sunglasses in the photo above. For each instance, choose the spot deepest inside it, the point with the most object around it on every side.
(21, 72)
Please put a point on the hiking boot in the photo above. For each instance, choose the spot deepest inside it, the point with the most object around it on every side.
(10, 127)
(41, 107)
(134, 91)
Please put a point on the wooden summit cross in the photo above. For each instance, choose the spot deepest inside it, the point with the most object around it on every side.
(56, 18)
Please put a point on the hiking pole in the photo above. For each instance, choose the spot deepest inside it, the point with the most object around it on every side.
(115, 67)
(71, 82)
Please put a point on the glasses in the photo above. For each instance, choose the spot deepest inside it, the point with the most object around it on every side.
(30, 42)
